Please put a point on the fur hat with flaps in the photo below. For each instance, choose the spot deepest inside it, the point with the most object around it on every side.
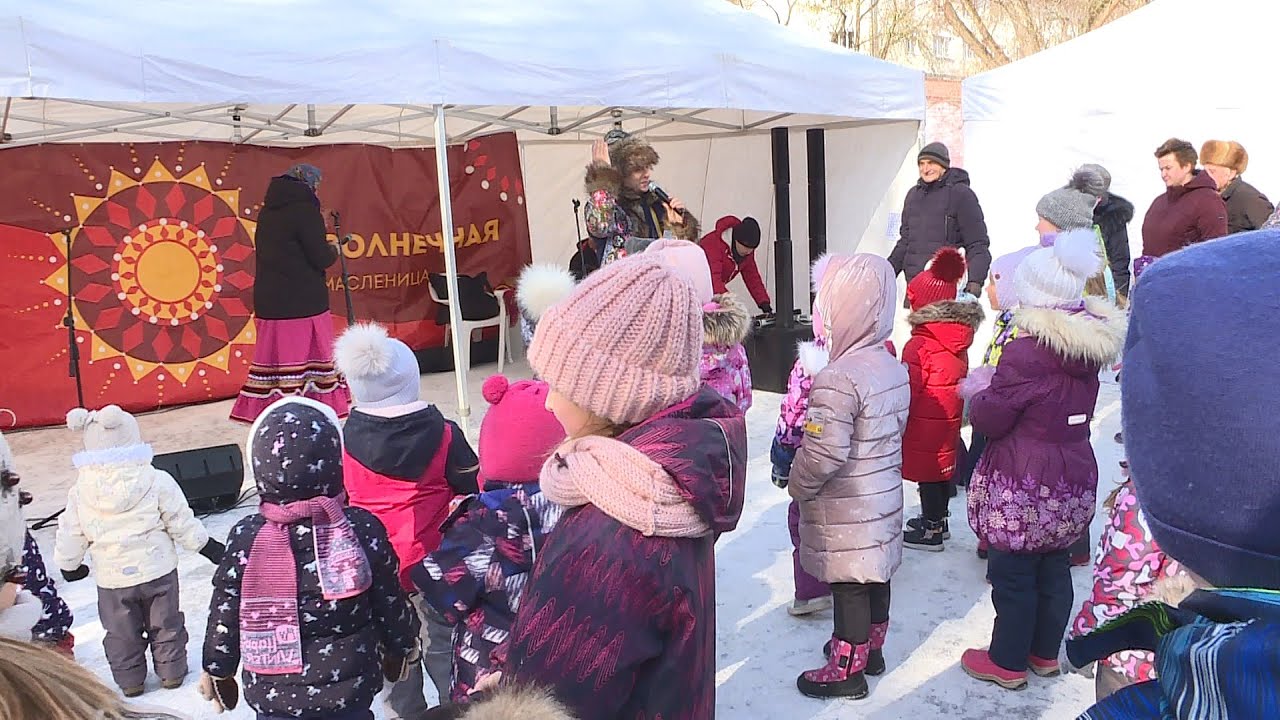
(1227, 153)
(295, 451)
(628, 153)
(381, 370)
(107, 429)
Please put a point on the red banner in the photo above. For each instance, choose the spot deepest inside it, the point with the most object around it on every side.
(162, 258)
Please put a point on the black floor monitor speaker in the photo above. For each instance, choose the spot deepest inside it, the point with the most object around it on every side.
(771, 351)
(210, 477)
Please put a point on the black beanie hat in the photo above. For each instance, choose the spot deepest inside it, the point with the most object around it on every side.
(747, 233)
(936, 152)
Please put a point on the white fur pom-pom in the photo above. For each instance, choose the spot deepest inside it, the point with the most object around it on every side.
(819, 269)
(1077, 252)
(363, 351)
(542, 286)
(78, 419)
(110, 416)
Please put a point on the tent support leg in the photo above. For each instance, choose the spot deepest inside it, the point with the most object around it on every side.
(451, 270)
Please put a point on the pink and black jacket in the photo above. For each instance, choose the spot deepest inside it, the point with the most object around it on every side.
(406, 470)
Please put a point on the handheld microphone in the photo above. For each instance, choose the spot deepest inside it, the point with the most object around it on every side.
(662, 194)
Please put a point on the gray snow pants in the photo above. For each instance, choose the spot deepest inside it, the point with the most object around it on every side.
(406, 699)
(140, 616)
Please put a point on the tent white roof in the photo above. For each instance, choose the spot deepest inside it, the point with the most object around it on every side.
(1112, 96)
(369, 72)
(560, 72)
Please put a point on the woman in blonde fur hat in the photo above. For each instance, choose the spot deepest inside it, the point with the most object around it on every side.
(1247, 208)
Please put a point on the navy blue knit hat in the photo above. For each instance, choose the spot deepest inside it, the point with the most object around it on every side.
(1201, 388)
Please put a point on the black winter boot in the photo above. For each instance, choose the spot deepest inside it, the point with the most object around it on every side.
(929, 537)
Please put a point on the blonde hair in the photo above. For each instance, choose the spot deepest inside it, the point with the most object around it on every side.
(39, 683)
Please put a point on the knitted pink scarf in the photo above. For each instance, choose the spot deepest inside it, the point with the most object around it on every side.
(624, 484)
(270, 637)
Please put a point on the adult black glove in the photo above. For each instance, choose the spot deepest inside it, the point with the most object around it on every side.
(766, 308)
(79, 573)
(213, 550)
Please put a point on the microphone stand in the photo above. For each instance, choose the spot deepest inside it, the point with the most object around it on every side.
(69, 322)
(342, 261)
(577, 217)
(73, 369)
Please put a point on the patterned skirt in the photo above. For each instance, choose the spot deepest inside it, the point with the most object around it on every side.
(292, 357)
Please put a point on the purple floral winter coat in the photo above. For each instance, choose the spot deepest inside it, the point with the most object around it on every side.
(1035, 487)
(725, 324)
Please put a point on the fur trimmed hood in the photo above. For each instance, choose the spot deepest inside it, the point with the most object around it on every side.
(813, 358)
(728, 324)
(516, 703)
(949, 311)
(1114, 209)
(1096, 335)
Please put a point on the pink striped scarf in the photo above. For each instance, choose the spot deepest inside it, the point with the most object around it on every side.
(270, 636)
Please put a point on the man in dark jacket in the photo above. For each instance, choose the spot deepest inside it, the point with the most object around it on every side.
(942, 210)
(1112, 215)
(1189, 211)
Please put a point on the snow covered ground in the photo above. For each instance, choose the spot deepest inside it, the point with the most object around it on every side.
(941, 603)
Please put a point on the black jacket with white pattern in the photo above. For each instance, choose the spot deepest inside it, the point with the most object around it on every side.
(343, 641)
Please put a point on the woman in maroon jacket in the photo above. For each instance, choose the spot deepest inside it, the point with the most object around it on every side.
(738, 255)
(1189, 211)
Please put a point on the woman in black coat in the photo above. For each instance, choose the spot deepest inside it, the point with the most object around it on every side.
(293, 354)
(1247, 208)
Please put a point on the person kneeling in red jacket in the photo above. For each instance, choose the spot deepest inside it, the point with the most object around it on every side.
(736, 256)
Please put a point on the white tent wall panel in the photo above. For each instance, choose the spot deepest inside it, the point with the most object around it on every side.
(1112, 97)
(869, 170)
(1013, 165)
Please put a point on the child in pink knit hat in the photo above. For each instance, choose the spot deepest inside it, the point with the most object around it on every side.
(725, 323)
(652, 473)
(492, 539)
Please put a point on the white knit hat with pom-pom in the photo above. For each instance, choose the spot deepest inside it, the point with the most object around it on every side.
(1055, 276)
(381, 371)
(105, 429)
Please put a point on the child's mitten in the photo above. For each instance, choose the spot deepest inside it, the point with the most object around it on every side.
(224, 693)
(213, 550)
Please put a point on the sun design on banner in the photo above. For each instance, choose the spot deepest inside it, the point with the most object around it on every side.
(159, 267)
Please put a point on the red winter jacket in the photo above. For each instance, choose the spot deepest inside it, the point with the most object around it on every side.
(724, 268)
(937, 358)
(1183, 216)
(406, 470)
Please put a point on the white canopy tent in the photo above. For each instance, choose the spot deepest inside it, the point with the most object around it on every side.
(703, 79)
(1112, 97)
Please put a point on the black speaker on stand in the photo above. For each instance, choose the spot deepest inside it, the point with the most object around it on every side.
(771, 347)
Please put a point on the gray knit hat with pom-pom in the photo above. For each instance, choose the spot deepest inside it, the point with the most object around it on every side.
(1071, 207)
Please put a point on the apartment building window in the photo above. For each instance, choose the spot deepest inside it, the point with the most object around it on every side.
(942, 46)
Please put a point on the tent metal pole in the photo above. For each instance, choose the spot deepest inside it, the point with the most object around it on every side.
(451, 269)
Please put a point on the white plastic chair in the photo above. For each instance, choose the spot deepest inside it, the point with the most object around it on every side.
(470, 326)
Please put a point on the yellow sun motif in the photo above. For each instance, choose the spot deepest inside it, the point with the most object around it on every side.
(161, 267)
